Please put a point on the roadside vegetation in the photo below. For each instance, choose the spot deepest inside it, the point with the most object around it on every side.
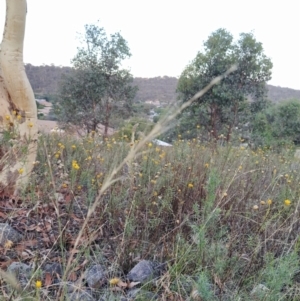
(221, 215)
(224, 221)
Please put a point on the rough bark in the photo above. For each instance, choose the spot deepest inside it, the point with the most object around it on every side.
(18, 112)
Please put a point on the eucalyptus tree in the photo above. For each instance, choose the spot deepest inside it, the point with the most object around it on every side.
(220, 108)
(97, 87)
(18, 112)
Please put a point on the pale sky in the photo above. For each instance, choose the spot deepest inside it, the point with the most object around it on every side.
(164, 35)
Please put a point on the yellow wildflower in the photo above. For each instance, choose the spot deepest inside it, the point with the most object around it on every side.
(38, 284)
(30, 124)
(73, 146)
(190, 185)
(8, 244)
(150, 144)
(75, 164)
(287, 202)
(269, 202)
(114, 281)
(21, 170)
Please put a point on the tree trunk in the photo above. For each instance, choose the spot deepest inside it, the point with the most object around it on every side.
(18, 112)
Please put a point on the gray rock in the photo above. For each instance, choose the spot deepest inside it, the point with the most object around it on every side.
(95, 276)
(80, 296)
(259, 290)
(19, 268)
(144, 271)
(59, 197)
(9, 233)
(140, 294)
(53, 268)
(21, 271)
(109, 296)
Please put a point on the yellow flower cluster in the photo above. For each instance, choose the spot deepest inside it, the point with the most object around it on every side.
(75, 165)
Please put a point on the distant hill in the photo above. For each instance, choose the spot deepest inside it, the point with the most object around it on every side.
(277, 94)
(45, 80)
(156, 88)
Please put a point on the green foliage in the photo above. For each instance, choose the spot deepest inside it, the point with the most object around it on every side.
(278, 273)
(140, 127)
(97, 88)
(226, 102)
(278, 124)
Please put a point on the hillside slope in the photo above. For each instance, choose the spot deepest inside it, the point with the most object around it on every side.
(45, 81)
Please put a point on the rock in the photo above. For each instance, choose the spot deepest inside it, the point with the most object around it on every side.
(109, 296)
(144, 271)
(80, 296)
(59, 197)
(21, 271)
(9, 233)
(259, 290)
(17, 268)
(140, 294)
(95, 276)
(54, 269)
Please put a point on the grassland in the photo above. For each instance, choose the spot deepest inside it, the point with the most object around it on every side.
(224, 219)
